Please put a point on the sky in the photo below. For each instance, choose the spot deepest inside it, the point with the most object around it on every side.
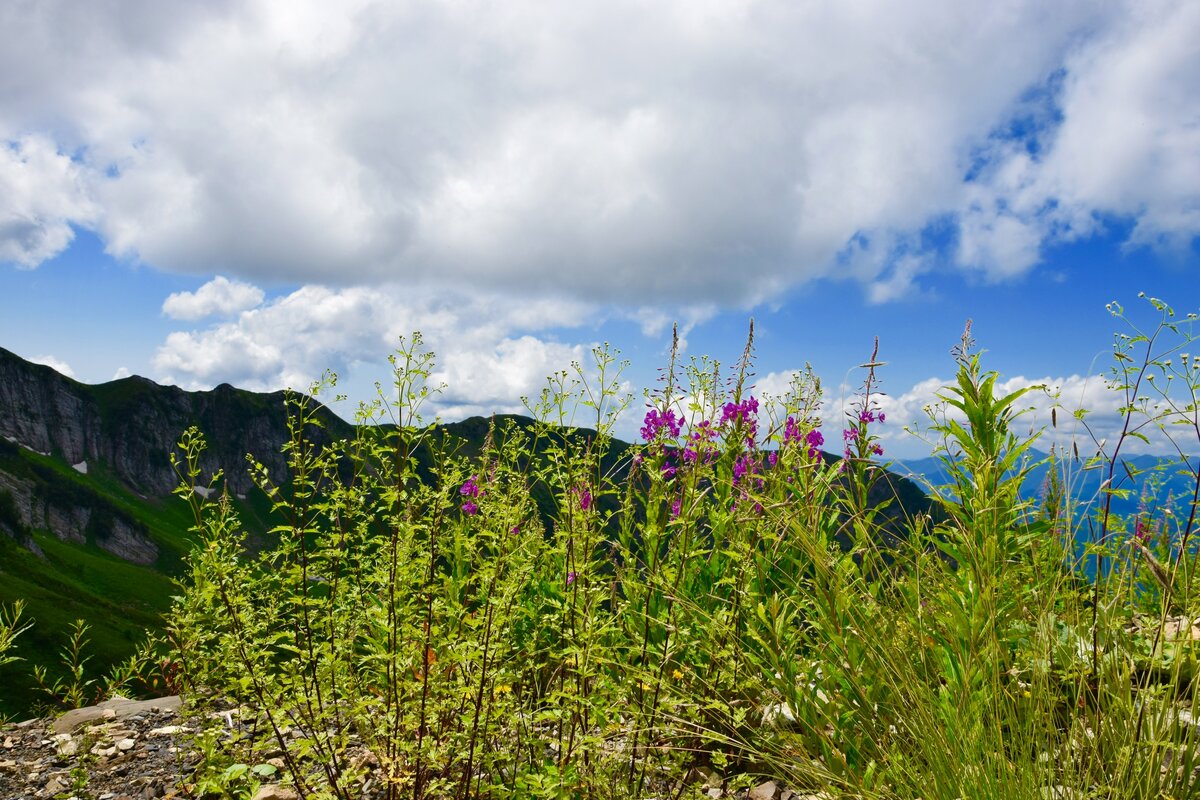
(255, 192)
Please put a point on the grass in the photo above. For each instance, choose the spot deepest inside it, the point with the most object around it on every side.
(558, 617)
(731, 606)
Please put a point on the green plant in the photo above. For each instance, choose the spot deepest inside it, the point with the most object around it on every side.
(74, 688)
(10, 629)
(555, 616)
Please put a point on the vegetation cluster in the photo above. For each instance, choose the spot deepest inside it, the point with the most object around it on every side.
(731, 608)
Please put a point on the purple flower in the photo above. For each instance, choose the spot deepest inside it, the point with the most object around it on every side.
(570, 578)
(514, 530)
(739, 468)
(676, 507)
(1141, 531)
(742, 412)
(470, 490)
(656, 421)
(791, 431)
(773, 458)
(699, 436)
(814, 440)
(585, 497)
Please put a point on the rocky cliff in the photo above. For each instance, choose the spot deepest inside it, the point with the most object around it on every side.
(126, 430)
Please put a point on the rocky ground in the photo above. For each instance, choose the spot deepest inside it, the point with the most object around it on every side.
(144, 750)
(119, 750)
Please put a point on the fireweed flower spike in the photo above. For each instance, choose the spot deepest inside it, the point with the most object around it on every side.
(585, 497)
(656, 421)
(470, 490)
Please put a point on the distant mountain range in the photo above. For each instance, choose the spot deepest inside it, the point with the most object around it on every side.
(89, 528)
(1151, 483)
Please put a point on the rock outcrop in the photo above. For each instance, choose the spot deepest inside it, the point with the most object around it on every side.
(131, 425)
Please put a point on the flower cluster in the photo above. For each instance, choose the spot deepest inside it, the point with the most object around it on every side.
(656, 421)
(793, 435)
(585, 497)
(471, 491)
(858, 431)
(1142, 531)
(697, 441)
(743, 412)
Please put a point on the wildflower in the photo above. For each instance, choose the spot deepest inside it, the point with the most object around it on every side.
(655, 422)
(740, 468)
(470, 490)
(668, 470)
(791, 431)
(699, 436)
(1141, 531)
(585, 497)
(676, 507)
(514, 530)
(570, 578)
(814, 440)
(745, 412)
(677, 675)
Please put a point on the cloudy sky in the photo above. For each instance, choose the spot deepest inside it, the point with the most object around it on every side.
(252, 192)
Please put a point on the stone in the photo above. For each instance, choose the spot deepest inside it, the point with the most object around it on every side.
(65, 744)
(764, 791)
(116, 708)
(275, 791)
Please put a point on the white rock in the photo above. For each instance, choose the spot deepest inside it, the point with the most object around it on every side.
(81, 467)
(65, 744)
(168, 730)
(764, 791)
(125, 745)
(273, 791)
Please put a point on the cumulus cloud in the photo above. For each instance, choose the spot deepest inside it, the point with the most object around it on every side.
(41, 196)
(219, 297)
(56, 364)
(684, 153)
(1076, 413)
(491, 351)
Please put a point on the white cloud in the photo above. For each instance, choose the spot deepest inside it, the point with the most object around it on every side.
(488, 350)
(677, 153)
(41, 195)
(56, 364)
(219, 297)
(1127, 146)
(1049, 414)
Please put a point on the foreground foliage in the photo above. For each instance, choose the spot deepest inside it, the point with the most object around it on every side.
(731, 607)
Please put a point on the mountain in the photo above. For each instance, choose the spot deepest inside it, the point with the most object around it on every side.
(1145, 484)
(90, 529)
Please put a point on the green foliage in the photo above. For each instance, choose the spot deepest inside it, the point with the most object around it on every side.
(539, 619)
(10, 629)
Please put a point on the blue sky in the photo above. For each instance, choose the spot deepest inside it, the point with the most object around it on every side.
(253, 192)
